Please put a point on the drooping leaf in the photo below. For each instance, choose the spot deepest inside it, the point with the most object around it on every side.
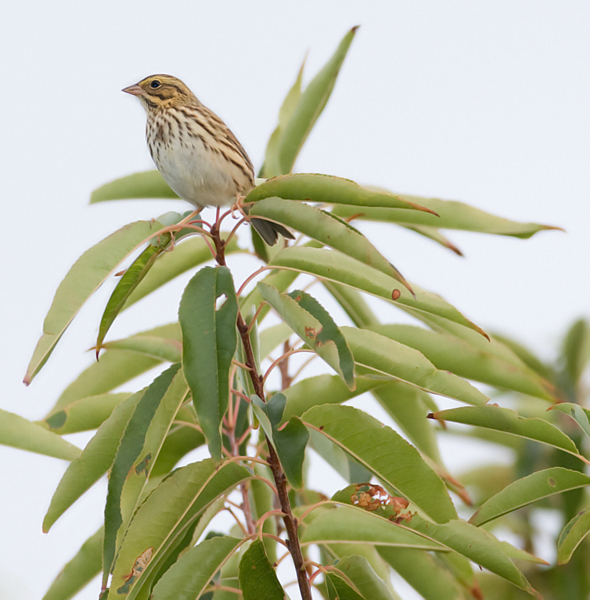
(572, 535)
(188, 578)
(327, 189)
(381, 355)
(450, 215)
(579, 414)
(95, 460)
(337, 267)
(373, 445)
(313, 324)
(209, 343)
(353, 303)
(529, 489)
(139, 446)
(126, 285)
(164, 519)
(79, 571)
(289, 441)
(366, 582)
(147, 184)
(327, 229)
(160, 348)
(257, 577)
(84, 414)
(18, 432)
(83, 279)
(510, 422)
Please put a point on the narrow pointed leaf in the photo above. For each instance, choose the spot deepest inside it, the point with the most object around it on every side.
(18, 432)
(188, 578)
(577, 413)
(272, 166)
(327, 189)
(115, 368)
(387, 455)
(384, 356)
(476, 362)
(164, 349)
(85, 414)
(357, 570)
(510, 422)
(79, 571)
(450, 215)
(353, 303)
(434, 234)
(572, 535)
(326, 229)
(209, 343)
(83, 279)
(289, 441)
(162, 522)
(313, 324)
(139, 447)
(95, 460)
(126, 285)
(337, 267)
(257, 577)
(576, 349)
(527, 490)
(189, 254)
(412, 566)
(310, 106)
(356, 526)
(147, 184)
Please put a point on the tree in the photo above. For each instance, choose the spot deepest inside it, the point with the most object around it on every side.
(396, 511)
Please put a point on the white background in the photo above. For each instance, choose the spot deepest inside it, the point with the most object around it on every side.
(485, 102)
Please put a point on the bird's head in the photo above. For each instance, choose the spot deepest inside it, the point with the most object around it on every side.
(161, 91)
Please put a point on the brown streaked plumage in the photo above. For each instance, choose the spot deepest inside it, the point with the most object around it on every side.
(197, 154)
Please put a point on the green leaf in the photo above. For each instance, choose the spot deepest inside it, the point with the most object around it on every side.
(337, 267)
(162, 522)
(18, 432)
(577, 413)
(95, 460)
(79, 571)
(449, 215)
(353, 303)
(323, 389)
(188, 578)
(209, 343)
(477, 545)
(257, 577)
(163, 349)
(84, 414)
(327, 189)
(138, 449)
(354, 525)
(408, 406)
(384, 356)
(115, 368)
(412, 565)
(358, 571)
(510, 422)
(387, 455)
(326, 229)
(477, 359)
(289, 441)
(572, 535)
(272, 166)
(147, 184)
(338, 589)
(576, 349)
(313, 324)
(272, 337)
(187, 255)
(125, 287)
(527, 490)
(310, 106)
(83, 279)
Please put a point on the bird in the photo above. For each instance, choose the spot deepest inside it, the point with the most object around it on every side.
(195, 151)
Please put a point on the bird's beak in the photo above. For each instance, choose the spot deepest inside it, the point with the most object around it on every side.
(134, 90)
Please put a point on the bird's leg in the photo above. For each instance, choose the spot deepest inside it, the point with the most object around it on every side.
(239, 206)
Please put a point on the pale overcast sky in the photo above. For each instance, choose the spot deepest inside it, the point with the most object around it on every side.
(484, 102)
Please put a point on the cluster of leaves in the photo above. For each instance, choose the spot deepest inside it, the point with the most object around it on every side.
(397, 512)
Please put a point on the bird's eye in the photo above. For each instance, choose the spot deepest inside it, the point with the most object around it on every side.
(155, 84)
